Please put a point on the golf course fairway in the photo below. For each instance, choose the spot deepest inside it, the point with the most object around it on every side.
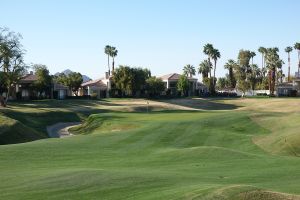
(233, 154)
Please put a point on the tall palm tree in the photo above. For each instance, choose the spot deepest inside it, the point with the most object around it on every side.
(113, 54)
(215, 56)
(273, 63)
(288, 50)
(208, 50)
(107, 51)
(189, 70)
(204, 68)
(297, 47)
(262, 50)
(252, 53)
(231, 65)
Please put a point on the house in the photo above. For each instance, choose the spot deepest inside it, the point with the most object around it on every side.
(25, 89)
(60, 91)
(98, 88)
(171, 81)
(289, 88)
(296, 83)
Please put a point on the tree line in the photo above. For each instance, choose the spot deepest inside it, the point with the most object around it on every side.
(13, 69)
(243, 74)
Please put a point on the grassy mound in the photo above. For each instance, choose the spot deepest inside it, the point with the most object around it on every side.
(284, 138)
(163, 155)
(12, 131)
(157, 155)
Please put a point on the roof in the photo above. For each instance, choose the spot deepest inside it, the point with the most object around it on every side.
(29, 78)
(174, 76)
(97, 83)
(58, 86)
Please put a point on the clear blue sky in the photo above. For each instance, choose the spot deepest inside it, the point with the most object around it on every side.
(162, 35)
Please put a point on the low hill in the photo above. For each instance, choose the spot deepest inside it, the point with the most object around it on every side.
(68, 71)
(12, 131)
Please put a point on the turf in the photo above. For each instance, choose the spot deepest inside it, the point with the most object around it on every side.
(204, 154)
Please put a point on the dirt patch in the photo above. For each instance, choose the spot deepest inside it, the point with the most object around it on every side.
(60, 130)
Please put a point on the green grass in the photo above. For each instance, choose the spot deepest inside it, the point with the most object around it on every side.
(27, 121)
(161, 155)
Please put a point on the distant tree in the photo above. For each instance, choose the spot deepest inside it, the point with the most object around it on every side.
(113, 54)
(231, 65)
(183, 85)
(297, 47)
(155, 86)
(208, 50)
(222, 83)
(123, 79)
(253, 54)
(43, 82)
(11, 59)
(242, 69)
(253, 76)
(263, 51)
(140, 76)
(215, 56)
(3, 86)
(107, 51)
(288, 50)
(129, 80)
(73, 81)
(273, 63)
(204, 68)
(189, 70)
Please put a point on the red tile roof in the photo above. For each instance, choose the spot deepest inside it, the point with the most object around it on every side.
(97, 82)
(29, 78)
(174, 76)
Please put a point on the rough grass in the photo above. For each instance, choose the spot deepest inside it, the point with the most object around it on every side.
(207, 154)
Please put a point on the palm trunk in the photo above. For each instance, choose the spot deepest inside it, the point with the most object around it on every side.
(108, 64)
(270, 81)
(7, 94)
(209, 68)
(262, 60)
(215, 73)
(289, 69)
(299, 62)
(113, 65)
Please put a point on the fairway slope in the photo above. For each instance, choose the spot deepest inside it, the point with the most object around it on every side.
(211, 154)
(284, 138)
(13, 131)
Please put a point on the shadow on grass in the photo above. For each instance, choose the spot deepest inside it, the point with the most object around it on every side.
(49, 103)
(203, 104)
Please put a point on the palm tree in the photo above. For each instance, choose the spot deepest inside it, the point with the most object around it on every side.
(288, 50)
(253, 76)
(297, 46)
(215, 56)
(262, 50)
(273, 62)
(189, 70)
(231, 65)
(207, 50)
(113, 54)
(252, 53)
(204, 68)
(107, 51)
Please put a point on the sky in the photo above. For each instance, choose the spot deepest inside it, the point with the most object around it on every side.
(162, 35)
